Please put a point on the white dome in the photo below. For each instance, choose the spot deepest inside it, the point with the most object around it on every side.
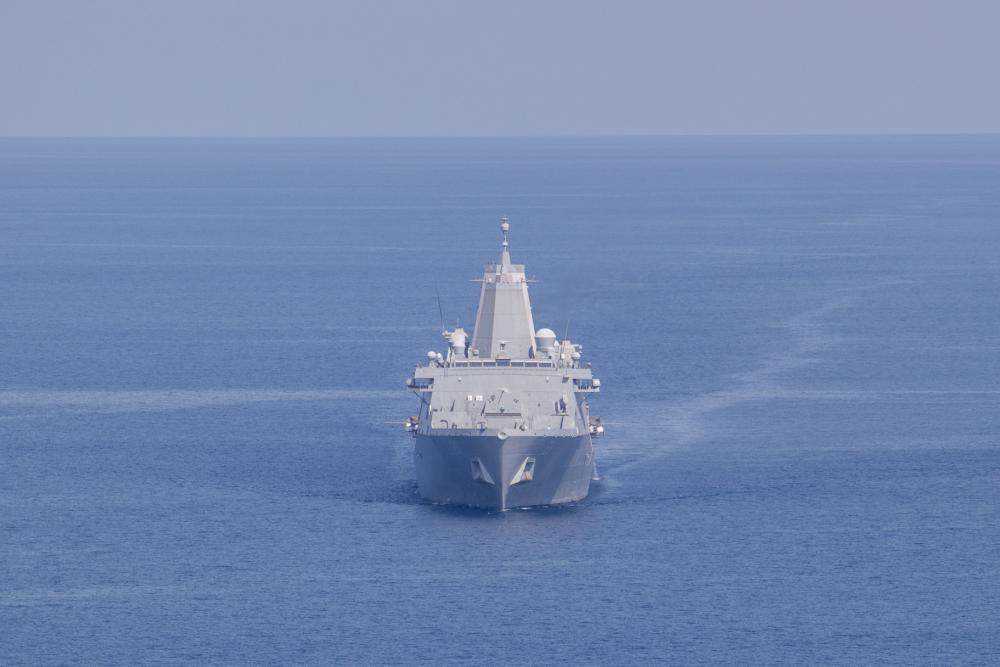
(545, 340)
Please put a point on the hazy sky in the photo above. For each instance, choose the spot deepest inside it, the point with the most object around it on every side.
(501, 67)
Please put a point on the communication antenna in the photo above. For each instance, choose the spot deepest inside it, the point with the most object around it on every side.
(566, 332)
(440, 309)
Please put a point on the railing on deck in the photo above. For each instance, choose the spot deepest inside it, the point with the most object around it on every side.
(502, 363)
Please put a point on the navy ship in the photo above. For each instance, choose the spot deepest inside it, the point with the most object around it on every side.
(504, 419)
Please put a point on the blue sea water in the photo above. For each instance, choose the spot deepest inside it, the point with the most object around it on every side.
(203, 345)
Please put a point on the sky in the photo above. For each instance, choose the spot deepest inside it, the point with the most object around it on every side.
(497, 68)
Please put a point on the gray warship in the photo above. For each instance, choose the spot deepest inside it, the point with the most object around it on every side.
(504, 420)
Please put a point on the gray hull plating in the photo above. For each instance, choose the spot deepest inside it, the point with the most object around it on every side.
(446, 465)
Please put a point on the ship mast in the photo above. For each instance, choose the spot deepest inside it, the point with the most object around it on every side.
(504, 327)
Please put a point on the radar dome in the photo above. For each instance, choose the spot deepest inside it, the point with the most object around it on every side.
(545, 339)
(457, 339)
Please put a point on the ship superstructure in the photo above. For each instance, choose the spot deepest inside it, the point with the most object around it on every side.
(504, 419)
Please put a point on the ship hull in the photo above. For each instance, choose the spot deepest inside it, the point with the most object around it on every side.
(487, 471)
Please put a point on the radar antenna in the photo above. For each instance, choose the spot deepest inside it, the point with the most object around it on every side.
(504, 253)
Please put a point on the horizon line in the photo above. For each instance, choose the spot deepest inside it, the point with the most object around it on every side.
(724, 135)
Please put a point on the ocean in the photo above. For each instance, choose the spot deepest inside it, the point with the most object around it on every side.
(203, 349)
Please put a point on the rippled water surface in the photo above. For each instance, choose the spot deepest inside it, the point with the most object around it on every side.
(202, 353)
